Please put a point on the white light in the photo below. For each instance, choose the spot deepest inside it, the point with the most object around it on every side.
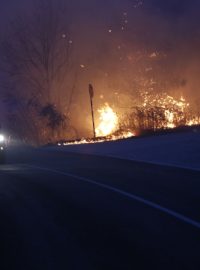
(2, 138)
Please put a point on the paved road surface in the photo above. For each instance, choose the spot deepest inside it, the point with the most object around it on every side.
(70, 211)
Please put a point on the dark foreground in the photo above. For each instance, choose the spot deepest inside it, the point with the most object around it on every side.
(102, 219)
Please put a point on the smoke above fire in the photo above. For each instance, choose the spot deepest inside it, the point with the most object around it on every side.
(133, 46)
(128, 47)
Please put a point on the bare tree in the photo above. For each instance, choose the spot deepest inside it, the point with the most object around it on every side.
(36, 57)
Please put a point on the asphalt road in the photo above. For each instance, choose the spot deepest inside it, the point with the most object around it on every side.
(70, 211)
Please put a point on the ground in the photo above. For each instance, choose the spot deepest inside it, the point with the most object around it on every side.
(176, 149)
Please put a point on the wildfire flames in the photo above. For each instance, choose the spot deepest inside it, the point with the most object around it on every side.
(108, 121)
(107, 126)
(156, 112)
(161, 111)
(174, 110)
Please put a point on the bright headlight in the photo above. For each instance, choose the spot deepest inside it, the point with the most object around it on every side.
(2, 138)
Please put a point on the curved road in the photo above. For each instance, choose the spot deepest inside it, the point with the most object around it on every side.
(69, 211)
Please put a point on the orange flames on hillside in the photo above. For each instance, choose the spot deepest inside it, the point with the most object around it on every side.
(156, 112)
(108, 121)
(121, 136)
(107, 128)
(162, 111)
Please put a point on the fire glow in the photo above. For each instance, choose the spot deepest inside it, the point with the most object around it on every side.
(121, 136)
(108, 124)
(156, 112)
(162, 111)
(108, 121)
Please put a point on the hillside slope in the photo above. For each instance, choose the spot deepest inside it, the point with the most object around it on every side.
(179, 149)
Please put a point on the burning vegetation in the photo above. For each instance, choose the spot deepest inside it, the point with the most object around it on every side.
(48, 60)
(107, 129)
(156, 112)
(162, 111)
(108, 121)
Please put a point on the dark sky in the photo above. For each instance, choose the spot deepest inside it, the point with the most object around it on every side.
(171, 8)
(183, 15)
